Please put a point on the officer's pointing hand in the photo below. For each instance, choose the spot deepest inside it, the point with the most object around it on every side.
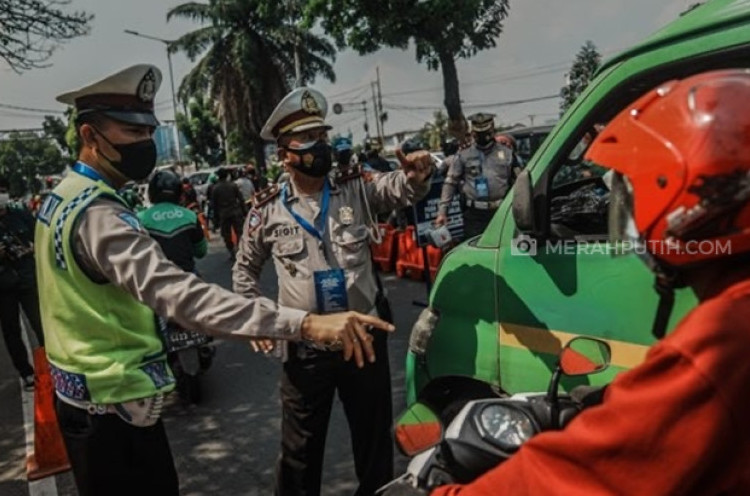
(264, 345)
(417, 165)
(346, 329)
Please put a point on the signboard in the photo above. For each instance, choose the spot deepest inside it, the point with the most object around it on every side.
(426, 211)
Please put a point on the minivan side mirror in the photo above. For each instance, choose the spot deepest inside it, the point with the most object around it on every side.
(523, 204)
(583, 356)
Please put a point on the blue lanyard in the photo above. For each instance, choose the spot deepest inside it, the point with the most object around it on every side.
(318, 233)
(87, 171)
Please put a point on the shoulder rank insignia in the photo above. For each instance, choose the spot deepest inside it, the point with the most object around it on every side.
(266, 195)
(348, 173)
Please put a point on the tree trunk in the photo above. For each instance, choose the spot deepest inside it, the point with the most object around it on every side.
(259, 153)
(457, 124)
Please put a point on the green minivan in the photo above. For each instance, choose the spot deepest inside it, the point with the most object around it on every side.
(504, 303)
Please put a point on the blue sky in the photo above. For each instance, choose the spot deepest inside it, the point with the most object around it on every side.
(538, 43)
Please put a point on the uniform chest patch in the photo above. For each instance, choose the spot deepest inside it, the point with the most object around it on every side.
(346, 215)
(131, 220)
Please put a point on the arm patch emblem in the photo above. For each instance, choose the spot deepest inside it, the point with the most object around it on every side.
(48, 208)
(254, 221)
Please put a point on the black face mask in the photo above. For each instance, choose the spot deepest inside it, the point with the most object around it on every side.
(344, 157)
(314, 159)
(137, 160)
(484, 140)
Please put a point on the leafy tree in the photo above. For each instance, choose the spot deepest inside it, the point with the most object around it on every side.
(57, 129)
(433, 133)
(31, 30)
(581, 73)
(71, 133)
(26, 155)
(247, 62)
(202, 131)
(442, 30)
(238, 149)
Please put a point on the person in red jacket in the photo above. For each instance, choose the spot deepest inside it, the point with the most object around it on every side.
(678, 423)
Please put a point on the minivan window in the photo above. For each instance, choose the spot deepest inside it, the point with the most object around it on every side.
(578, 198)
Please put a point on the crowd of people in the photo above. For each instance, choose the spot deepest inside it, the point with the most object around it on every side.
(315, 222)
(108, 263)
(18, 287)
(96, 279)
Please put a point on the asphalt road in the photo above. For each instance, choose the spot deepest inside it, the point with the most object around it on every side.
(227, 444)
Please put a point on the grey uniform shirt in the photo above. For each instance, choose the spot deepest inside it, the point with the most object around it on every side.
(111, 246)
(470, 163)
(272, 232)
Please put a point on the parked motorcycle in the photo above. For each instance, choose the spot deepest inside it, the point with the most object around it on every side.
(487, 431)
(189, 354)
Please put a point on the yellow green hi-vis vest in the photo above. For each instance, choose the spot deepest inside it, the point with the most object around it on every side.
(103, 345)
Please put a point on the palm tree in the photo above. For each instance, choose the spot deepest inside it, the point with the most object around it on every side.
(434, 132)
(247, 62)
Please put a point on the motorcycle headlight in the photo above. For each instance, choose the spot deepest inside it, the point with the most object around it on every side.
(506, 426)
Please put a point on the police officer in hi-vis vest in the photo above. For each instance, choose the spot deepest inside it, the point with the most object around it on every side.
(102, 281)
(317, 228)
(483, 173)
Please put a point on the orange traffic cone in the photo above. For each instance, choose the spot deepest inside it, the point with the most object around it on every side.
(49, 455)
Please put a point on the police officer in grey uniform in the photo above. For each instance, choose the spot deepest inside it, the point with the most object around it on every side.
(483, 173)
(317, 228)
(102, 282)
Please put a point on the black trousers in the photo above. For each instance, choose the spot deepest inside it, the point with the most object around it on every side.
(475, 221)
(10, 320)
(307, 389)
(228, 223)
(110, 456)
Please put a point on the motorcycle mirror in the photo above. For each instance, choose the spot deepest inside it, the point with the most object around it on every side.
(584, 355)
(418, 429)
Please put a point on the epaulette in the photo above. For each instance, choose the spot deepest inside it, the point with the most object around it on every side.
(347, 173)
(266, 195)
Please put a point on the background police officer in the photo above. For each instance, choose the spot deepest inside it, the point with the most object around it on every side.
(342, 151)
(317, 228)
(101, 280)
(449, 147)
(483, 173)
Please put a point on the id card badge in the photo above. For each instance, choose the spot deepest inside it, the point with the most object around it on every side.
(482, 187)
(330, 291)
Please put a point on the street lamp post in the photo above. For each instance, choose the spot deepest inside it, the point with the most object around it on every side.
(171, 79)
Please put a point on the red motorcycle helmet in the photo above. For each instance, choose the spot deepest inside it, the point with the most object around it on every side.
(681, 154)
